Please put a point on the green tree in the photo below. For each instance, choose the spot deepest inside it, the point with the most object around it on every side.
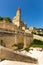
(37, 43)
(1, 18)
(7, 19)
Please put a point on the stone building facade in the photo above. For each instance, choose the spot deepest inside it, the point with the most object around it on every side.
(15, 32)
(36, 30)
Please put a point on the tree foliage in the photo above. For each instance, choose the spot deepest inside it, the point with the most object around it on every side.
(1, 18)
(5, 18)
(37, 43)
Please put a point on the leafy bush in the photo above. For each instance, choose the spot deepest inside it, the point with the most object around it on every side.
(33, 32)
(27, 49)
(7, 19)
(37, 43)
(40, 34)
(37, 34)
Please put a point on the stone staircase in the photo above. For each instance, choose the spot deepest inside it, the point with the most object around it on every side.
(8, 54)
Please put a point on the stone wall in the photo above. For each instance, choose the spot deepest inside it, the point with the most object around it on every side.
(11, 34)
(38, 37)
(7, 25)
(9, 39)
(8, 54)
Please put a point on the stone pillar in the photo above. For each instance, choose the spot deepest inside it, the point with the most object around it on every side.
(24, 41)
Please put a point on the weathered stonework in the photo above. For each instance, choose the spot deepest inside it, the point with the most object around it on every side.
(8, 54)
(15, 32)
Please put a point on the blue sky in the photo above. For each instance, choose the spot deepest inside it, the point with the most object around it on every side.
(32, 11)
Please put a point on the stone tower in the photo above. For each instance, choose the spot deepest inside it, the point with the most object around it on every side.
(18, 14)
(17, 18)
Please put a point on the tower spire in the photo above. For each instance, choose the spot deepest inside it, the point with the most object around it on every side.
(19, 8)
(18, 13)
(17, 18)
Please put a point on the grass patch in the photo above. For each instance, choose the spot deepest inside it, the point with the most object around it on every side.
(40, 46)
(37, 43)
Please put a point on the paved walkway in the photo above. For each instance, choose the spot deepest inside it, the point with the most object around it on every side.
(6, 62)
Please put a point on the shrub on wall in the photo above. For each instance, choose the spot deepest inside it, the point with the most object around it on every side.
(27, 49)
(7, 19)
